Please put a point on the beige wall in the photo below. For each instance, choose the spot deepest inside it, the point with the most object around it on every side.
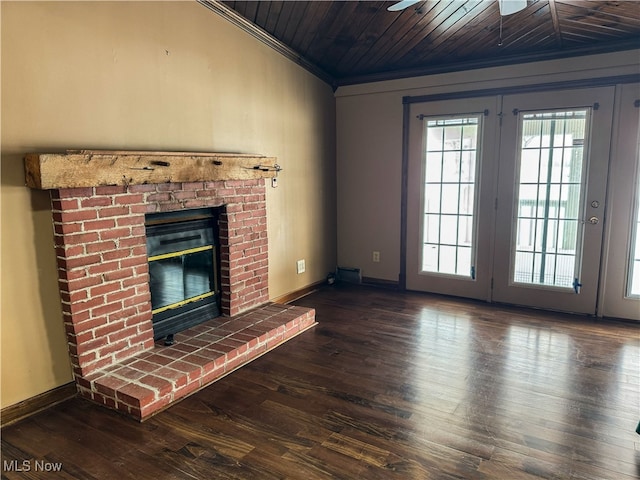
(158, 76)
(369, 147)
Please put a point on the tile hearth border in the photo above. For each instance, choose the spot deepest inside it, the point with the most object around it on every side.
(149, 382)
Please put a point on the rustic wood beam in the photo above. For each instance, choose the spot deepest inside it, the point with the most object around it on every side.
(92, 168)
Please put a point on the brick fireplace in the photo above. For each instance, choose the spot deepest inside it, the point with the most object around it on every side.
(103, 274)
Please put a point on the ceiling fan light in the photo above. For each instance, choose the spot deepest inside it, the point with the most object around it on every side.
(507, 7)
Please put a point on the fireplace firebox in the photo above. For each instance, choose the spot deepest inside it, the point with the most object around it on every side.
(183, 254)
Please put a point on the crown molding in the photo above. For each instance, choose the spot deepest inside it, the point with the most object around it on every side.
(486, 63)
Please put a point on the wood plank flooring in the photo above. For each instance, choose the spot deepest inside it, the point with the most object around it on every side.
(389, 385)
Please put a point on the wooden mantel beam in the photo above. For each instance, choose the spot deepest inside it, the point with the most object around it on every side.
(92, 168)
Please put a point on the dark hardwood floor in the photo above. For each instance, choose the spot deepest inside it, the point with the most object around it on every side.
(389, 385)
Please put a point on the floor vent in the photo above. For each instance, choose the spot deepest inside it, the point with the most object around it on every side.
(351, 275)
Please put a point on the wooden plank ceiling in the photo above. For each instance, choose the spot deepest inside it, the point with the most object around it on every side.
(348, 42)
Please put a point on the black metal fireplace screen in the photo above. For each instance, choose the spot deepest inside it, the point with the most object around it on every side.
(183, 251)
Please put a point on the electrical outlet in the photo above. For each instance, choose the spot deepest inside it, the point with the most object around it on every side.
(300, 266)
(376, 257)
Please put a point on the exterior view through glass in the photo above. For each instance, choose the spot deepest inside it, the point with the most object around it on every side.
(551, 170)
(448, 237)
(634, 269)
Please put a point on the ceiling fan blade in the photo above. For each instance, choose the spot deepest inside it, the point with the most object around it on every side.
(507, 7)
(396, 7)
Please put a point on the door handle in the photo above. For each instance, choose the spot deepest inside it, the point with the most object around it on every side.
(576, 285)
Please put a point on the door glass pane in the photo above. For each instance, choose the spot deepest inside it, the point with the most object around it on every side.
(634, 270)
(449, 208)
(547, 242)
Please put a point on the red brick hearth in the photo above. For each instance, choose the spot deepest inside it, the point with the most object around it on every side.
(146, 383)
(103, 274)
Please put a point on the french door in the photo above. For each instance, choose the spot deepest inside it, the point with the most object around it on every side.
(554, 159)
(621, 292)
(505, 197)
(451, 173)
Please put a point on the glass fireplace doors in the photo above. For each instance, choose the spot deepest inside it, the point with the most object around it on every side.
(183, 251)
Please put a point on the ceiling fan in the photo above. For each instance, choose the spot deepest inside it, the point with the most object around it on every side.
(507, 7)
